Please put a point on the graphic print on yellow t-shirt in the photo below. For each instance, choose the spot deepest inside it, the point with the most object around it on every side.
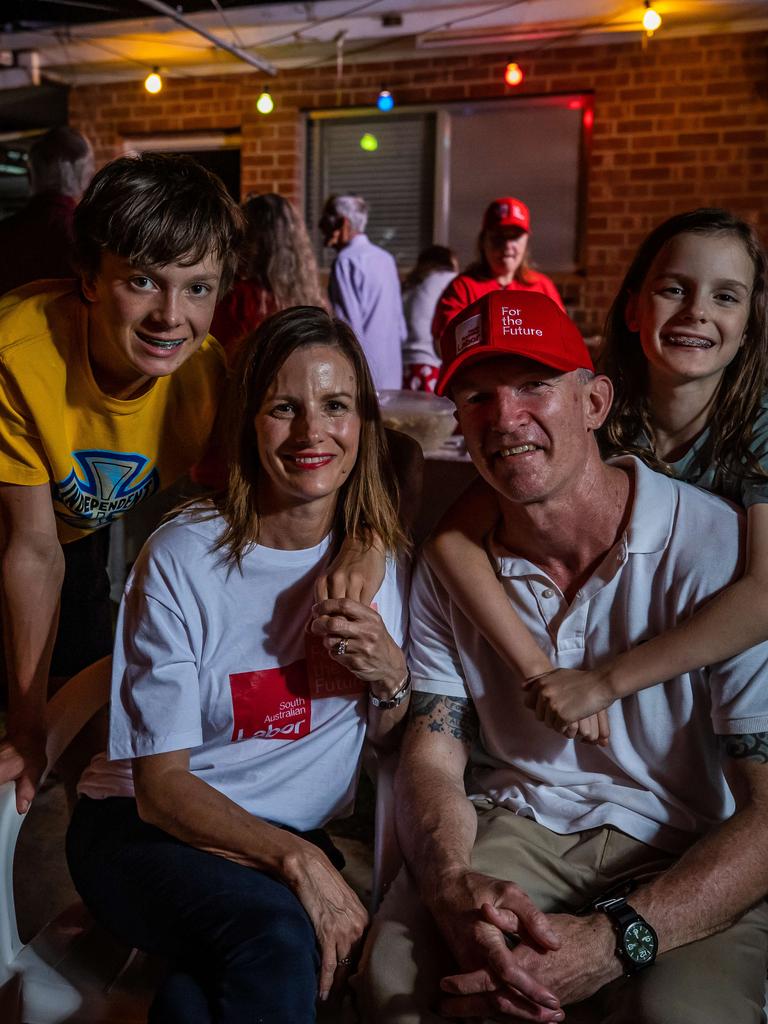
(103, 487)
(101, 455)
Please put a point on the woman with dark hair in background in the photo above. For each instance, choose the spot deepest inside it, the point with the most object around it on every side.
(241, 706)
(277, 269)
(503, 264)
(435, 267)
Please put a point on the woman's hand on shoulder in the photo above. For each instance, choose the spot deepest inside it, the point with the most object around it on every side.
(356, 572)
(337, 915)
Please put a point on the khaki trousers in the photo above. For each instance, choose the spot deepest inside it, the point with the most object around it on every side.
(718, 980)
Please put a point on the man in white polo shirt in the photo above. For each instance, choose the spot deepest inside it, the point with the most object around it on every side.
(623, 882)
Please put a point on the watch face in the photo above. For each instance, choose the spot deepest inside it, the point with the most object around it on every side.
(639, 943)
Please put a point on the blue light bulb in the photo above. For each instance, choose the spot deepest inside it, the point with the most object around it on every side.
(385, 101)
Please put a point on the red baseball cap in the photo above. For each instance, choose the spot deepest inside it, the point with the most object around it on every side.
(512, 322)
(507, 212)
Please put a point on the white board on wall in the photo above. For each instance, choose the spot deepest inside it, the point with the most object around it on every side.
(524, 148)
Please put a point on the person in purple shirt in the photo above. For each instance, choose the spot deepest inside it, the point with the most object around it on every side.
(364, 288)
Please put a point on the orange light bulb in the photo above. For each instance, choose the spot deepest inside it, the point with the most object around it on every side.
(513, 74)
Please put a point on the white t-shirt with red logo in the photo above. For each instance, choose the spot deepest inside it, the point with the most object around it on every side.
(219, 662)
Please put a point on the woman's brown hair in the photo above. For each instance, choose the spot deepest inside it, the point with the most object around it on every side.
(367, 501)
(277, 254)
(737, 402)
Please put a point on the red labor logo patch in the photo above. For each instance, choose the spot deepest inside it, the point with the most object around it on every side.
(272, 704)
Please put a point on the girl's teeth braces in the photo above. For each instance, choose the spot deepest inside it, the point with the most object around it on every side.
(689, 342)
(161, 344)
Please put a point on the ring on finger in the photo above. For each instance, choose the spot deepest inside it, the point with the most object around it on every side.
(346, 961)
(341, 649)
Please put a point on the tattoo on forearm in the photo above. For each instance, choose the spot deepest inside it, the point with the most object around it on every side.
(455, 716)
(747, 746)
(424, 703)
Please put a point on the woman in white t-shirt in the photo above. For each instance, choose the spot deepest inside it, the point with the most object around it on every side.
(436, 266)
(242, 707)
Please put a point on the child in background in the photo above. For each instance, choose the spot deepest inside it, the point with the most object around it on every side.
(687, 351)
(436, 266)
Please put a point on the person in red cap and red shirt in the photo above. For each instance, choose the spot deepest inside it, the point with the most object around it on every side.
(540, 873)
(503, 264)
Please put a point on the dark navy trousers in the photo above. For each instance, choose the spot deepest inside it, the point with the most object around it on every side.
(241, 947)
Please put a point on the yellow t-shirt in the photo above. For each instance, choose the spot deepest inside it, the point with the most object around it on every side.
(102, 455)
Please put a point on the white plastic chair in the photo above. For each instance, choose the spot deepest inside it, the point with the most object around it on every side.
(387, 857)
(72, 970)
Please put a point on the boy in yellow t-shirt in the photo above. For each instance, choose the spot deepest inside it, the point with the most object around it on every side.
(108, 391)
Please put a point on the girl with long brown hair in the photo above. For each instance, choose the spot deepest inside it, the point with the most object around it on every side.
(687, 351)
(277, 269)
(241, 705)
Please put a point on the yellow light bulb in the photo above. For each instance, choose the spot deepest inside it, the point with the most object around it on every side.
(369, 142)
(651, 20)
(265, 104)
(153, 82)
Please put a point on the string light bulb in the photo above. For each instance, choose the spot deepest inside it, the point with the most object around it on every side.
(265, 104)
(651, 19)
(385, 101)
(513, 74)
(368, 142)
(153, 82)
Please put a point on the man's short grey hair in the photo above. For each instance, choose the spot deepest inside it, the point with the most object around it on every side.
(354, 208)
(61, 161)
(584, 376)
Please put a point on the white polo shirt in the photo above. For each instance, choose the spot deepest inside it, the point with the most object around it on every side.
(660, 779)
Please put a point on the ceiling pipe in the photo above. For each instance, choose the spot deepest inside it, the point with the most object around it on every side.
(236, 51)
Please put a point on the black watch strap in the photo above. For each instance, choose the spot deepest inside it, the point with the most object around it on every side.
(618, 910)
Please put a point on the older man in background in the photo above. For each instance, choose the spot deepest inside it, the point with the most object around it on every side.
(364, 288)
(37, 241)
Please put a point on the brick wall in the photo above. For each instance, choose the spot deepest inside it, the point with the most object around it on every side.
(683, 123)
